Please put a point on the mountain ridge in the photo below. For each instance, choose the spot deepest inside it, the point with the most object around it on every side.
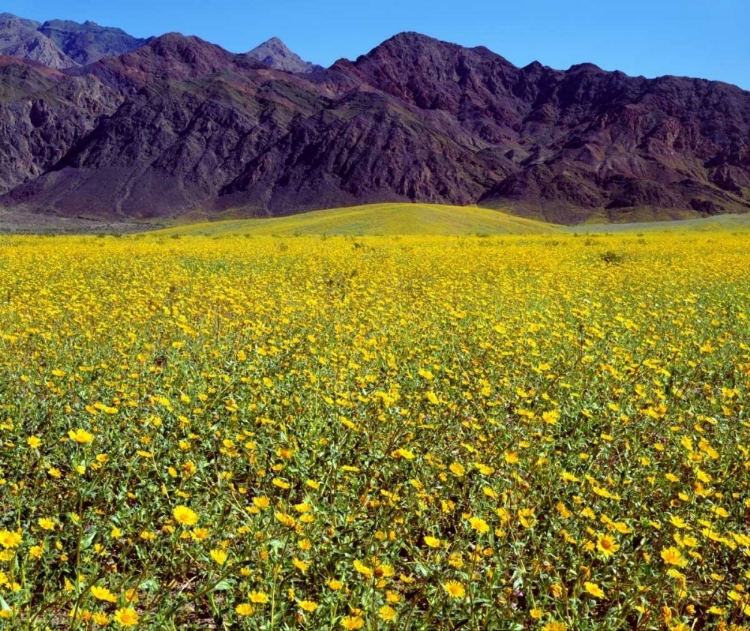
(180, 124)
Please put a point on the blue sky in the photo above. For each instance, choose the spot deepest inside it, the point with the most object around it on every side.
(696, 38)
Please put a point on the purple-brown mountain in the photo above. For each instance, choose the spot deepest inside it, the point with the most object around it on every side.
(182, 126)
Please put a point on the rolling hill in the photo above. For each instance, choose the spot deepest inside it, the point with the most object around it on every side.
(432, 219)
(374, 219)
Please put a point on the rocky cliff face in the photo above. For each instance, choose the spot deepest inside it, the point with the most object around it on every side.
(180, 125)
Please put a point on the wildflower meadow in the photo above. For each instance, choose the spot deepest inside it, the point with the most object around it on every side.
(254, 433)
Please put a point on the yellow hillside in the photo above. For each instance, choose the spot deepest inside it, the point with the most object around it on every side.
(376, 219)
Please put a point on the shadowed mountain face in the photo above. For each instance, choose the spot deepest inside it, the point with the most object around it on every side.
(276, 55)
(182, 126)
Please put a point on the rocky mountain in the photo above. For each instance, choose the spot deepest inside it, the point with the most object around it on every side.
(275, 54)
(21, 38)
(62, 43)
(182, 126)
(88, 42)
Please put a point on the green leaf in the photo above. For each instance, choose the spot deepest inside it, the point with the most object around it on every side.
(88, 540)
(149, 585)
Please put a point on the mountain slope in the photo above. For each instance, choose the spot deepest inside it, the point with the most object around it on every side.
(275, 54)
(182, 126)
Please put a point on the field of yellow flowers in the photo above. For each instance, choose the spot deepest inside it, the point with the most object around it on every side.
(540, 432)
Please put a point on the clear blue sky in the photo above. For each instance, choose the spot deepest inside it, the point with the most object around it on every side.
(699, 38)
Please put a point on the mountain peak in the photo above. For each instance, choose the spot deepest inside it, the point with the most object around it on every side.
(186, 48)
(413, 36)
(415, 41)
(275, 54)
(172, 57)
(410, 47)
(585, 67)
(175, 56)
